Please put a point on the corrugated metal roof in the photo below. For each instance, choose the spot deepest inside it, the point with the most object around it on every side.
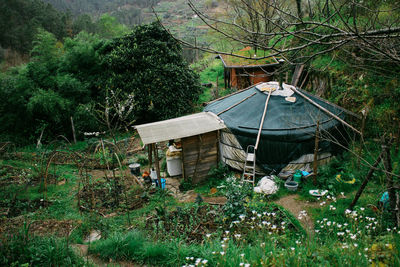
(185, 126)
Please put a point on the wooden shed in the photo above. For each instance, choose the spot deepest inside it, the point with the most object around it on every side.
(242, 72)
(199, 138)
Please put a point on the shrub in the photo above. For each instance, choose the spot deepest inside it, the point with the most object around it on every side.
(20, 249)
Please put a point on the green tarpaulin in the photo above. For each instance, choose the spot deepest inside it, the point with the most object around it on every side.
(288, 130)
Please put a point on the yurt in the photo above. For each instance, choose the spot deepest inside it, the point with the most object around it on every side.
(284, 119)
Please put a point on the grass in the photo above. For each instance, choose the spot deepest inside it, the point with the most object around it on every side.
(23, 250)
(258, 248)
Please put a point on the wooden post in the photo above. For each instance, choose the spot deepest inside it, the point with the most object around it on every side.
(366, 180)
(315, 165)
(216, 90)
(364, 117)
(157, 163)
(387, 163)
(150, 156)
(73, 130)
(262, 120)
(39, 142)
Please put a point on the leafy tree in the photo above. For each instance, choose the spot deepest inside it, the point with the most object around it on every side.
(20, 19)
(148, 64)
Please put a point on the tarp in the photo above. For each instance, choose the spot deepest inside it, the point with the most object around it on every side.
(289, 128)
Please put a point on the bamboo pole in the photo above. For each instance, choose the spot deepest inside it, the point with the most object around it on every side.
(234, 105)
(325, 110)
(262, 120)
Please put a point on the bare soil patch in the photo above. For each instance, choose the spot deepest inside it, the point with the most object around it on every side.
(111, 194)
(16, 207)
(295, 206)
(50, 227)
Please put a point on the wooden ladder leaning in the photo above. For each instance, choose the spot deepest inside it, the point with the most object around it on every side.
(249, 169)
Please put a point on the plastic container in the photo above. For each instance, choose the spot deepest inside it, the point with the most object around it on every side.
(174, 166)
(291, 185)
(135, 168)
(297, 176)
(163, 182)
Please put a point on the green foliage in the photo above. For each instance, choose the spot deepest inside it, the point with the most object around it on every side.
(237, 194)
(186, 184)
(108, 27)
(20, 21)
(148, 64)
(21, 249)
(142, 159)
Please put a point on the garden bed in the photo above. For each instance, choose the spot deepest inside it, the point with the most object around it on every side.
(110, 195)
(17, 207)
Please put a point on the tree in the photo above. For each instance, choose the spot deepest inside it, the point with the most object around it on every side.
(367, 30)
(147, 64)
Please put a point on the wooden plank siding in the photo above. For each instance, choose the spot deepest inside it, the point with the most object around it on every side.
(199, 155)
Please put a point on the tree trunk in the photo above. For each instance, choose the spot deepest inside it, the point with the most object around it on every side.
(299, 12)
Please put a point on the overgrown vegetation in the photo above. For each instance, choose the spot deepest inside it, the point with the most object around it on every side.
(57, 197)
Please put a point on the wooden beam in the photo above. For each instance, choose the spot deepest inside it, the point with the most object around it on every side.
(333, 104)
(297, 73)
(325, 110)
(315, 165)
(157, 163)
(150, 156)
(366, 180)
(234, 105)
(262, 120)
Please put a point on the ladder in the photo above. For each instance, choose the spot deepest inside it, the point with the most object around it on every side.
(249, 169)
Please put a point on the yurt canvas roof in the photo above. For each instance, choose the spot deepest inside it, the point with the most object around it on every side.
(289, 128)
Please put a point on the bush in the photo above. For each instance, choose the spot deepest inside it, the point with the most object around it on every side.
(20, 249)
(237, 194)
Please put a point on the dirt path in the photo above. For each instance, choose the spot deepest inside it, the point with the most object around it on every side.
(297, 208)
(190, 195)
(82, 250)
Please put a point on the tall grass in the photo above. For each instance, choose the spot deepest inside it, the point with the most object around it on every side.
(272, 250)
(21, 250)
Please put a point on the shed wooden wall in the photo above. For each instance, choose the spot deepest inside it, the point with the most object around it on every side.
(241, 78)
(199, 155)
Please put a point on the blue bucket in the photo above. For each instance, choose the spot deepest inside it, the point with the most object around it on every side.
(163, 182)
